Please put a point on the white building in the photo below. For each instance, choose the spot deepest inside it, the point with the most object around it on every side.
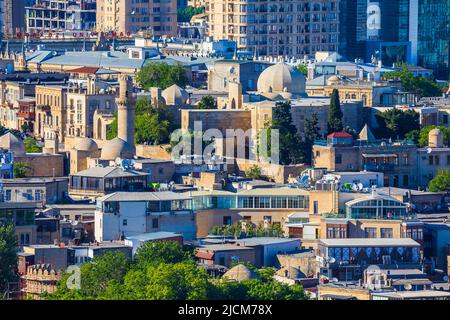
(123, 214)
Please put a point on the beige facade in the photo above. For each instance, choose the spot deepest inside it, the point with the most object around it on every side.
(51, 112)
(82, 105)
(127, 16)
(371, 94)
(283, 28)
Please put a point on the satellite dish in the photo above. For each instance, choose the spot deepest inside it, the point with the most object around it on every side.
(331, 260)
(360, 186)
(334, 280)
(354, 187)
(408, 286)
(429, 150)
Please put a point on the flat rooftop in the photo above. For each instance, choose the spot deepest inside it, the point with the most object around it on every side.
(154, 236)
(414, 294)
(256, 241)
(383, 242)
(145, 196)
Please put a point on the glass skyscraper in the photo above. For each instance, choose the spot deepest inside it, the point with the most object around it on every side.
(433, 36)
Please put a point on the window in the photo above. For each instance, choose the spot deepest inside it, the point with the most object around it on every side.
(405, 180)
(316, 207)
(370, 233)
(124, 222)
(38, 195)
(155, 223)
(7, 195)
(338, 158)
(226, 220)
(386, 233)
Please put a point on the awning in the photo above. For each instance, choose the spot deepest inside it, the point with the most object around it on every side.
(378, 155)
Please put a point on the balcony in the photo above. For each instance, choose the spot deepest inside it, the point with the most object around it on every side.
(380, 167)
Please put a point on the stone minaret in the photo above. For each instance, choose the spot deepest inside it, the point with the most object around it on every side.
(125, 110)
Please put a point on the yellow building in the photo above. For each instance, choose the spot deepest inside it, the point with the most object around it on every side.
(127, 16)
(276, 28)
(51, 112)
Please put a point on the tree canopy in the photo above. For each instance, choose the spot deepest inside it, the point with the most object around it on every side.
(303, 68)
(21, 169)
(166, 271)
(420, 136)
(31, 146)
(289, 142)
(424, 87)
(335, 114)
(8, 255)
(440, 183)
(207, 102)
(162, 75)
(152, 124)
(396, 123)
(185, 15)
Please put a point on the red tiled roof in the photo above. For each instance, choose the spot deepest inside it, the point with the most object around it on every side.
(86, 70)
(341, 134)
(204, 255)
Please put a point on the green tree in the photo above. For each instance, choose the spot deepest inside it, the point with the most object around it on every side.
(273, 290)
(21, 169)
(172, 281)
(8, 255)
(100, 278)
(420, 137)
(254, 172)
(303, 68)
(153, 124)
(396, 123)
(31, 146)
(289, 140)
(162, 75)
(207, 102)
(335, 113)
(424, 87)
(312, 133)
(185, 15)
(440, 183)
(157, 252)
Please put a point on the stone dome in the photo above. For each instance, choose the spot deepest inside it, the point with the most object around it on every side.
(13, 144)
(333, 80)
(174, 95)
(435, 138)
(280, 78)
(289, 272)
(86, 144)
(117, 148)
(240, 273)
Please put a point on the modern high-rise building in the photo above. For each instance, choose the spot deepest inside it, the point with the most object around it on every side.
(412, 31)
(294, 28)
(129, 16)
(60, 15)
(13, 16)
(431, 37)
(375, 29)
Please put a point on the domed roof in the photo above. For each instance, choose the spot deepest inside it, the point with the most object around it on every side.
(174, 95)
(13, 144)
(85, 144)
(117, 148)
(289, 272)
(333, 79)
(240, 273)
(282, 77)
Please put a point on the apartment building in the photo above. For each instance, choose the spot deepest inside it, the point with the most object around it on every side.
(128, 16)
(293, 28)
(62, 15)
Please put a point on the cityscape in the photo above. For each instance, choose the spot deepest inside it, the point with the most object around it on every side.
(225, 150)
